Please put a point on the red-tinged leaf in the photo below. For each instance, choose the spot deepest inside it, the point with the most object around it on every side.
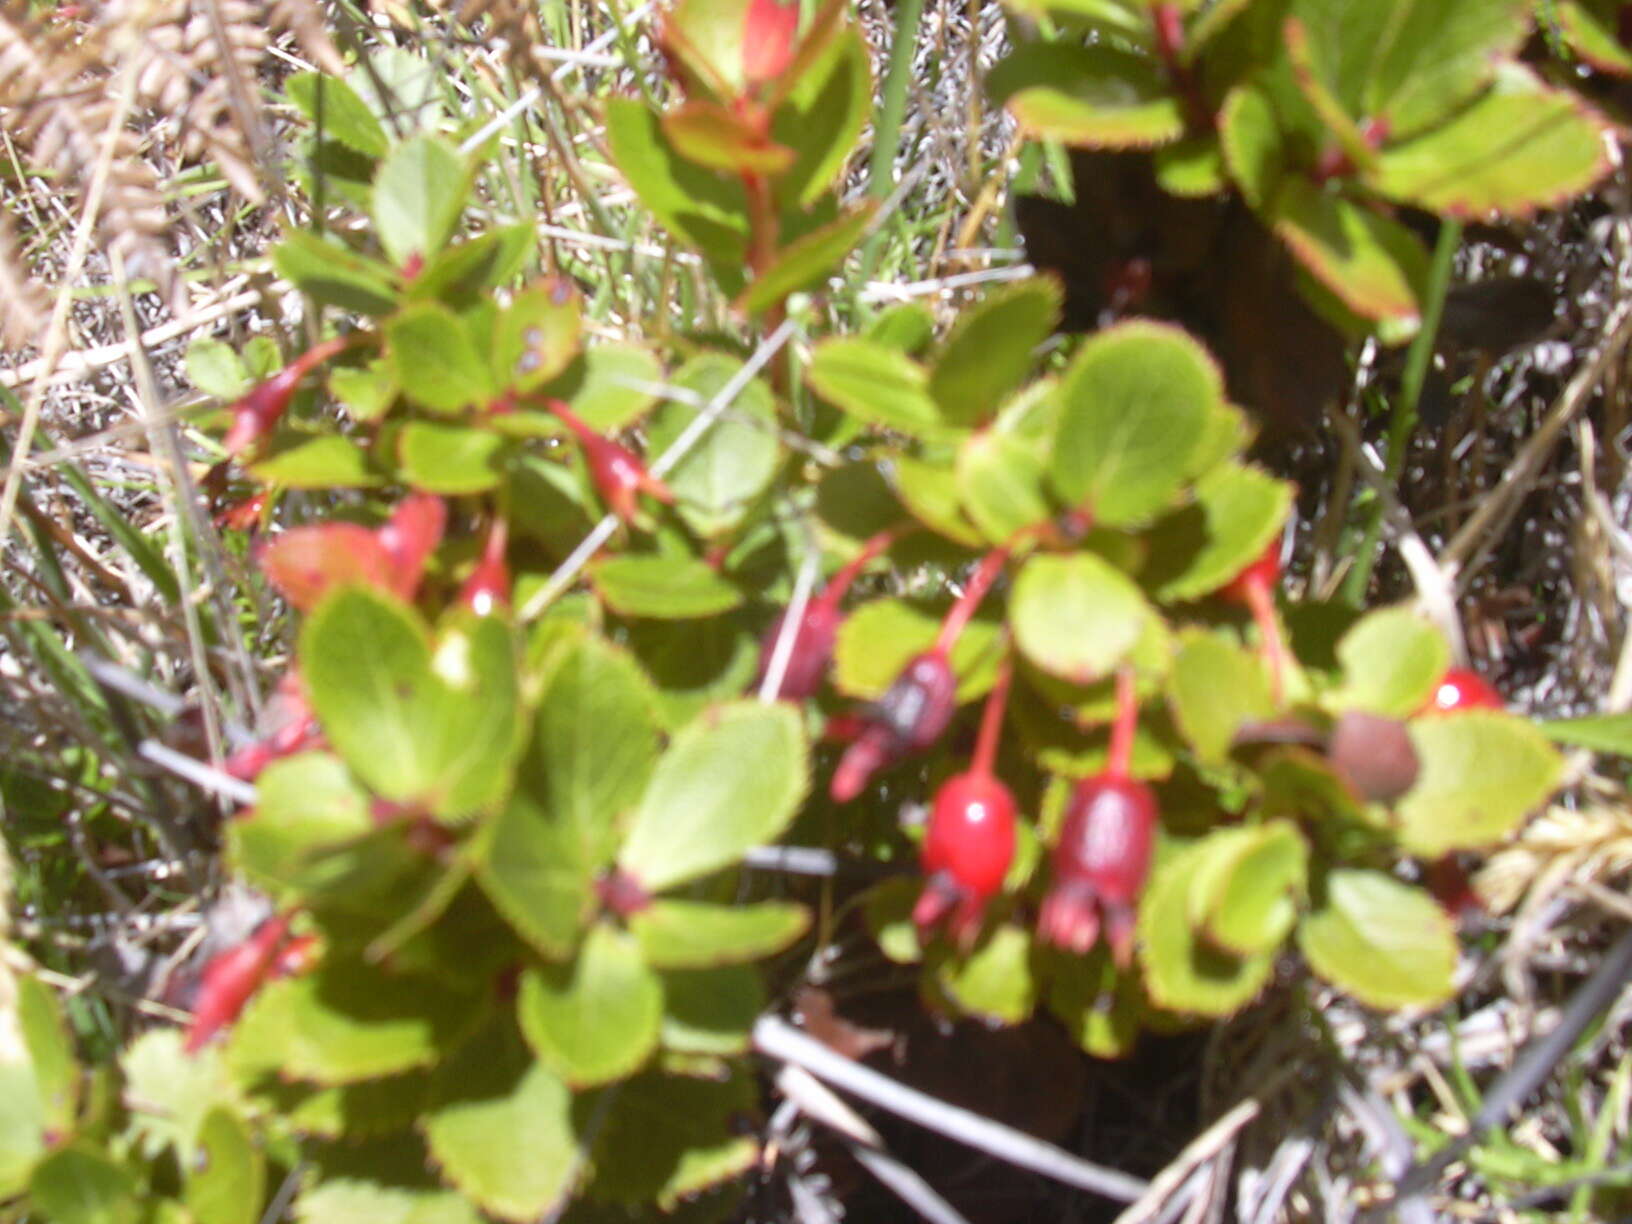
(769, 38)
(411, 536)
(306, 562)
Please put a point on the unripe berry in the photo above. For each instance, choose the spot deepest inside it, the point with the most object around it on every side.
(1462, 688)
(1101, 862)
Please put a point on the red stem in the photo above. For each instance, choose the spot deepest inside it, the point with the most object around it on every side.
(1261, 601)
(571, 420)
(979, 583)
(1123, 725)
(991, 720)
(762, 224)
(851, 570)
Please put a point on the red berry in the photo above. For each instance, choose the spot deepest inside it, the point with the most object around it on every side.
(1100, 862)
(1462, 688)
(909, 718)
(487, 590)
(971, 832)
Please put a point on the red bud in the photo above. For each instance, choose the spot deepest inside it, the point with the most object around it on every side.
(618, 475)
(1100, 862)
(231, 978)
(488, 588)
(769, 38)
(410, 536)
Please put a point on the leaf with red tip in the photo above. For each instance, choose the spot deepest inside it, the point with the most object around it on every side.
(769, 37)
(306, 562)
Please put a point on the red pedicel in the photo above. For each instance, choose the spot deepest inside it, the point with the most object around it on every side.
(296, 957)
(909, 718)
(254, 416)
(289, 726)
(231, 978)
(969, 843)
(487, 590)
(1254, 588)
(1462, 688)
(618, 475)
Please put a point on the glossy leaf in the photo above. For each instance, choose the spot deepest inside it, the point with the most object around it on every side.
(1076, 616)
(1001, 484)
(596, 1018)
(729, 781)
(1372, 264)
(675, 934)
(1481, 773)
(930, 493)
(1135, 406)
(710, 1011)
(1184, 972)
(994, 981)
(667, 588)
(1386, 943)
(1245, 891)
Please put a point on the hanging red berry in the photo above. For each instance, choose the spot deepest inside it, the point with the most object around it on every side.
(1462, 688)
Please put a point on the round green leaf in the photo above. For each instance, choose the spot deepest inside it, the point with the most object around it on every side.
(698, 935)
(1245, 892)
(731, 780)
(930, 494)
(1214, 687)
(887, 912)
(322, 461)
(536, 336)
(994, 981)
(879, 638)
(665, 588)
(1384, 942)
(717, 482)
(503, 1129)
(305, 806)
(360, 1202)
(437, 362)
(1135, 407)
(710, 1011)
(1000, 482)
(1098, 1006)
(877, 385)
(539, 872)
(1481, 774)
(335, 275)
(988, 351)
(80, 1184)
(1392, 661)
(1195, 550)
(1184, 972)
(667, 1137)
(214, 367)
(450, 460)
(1076, 616)
(226, 1180)
(437, 724)
(172, 1092)
(1097, 97)
(595, 1019)
(607, 385)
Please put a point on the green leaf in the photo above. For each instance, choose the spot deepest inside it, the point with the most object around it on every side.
(988, 351)
(1245, 892)
(1302, 784)
(821, 118)
(335, 276)
(668, 1137)
(907, 327)
(667, 588)
(1521, 146)
(214, 367)
(419, 722)
(306, 805)
(1611, 733)
(806, 262)
(226, 1180)
(1591, 29)
(1481, 773)
(1076, 616)
(596, 1019)
(887, 911)
(879, 638)
(503, 1130)
(80, 1184)
(419, 194)
(320, 461)
(171, 1092)
(1214, 687)
(1251, 142)
(710, 1011)
(713, 135)
(707, 39)
(1409, 64)
(606, 385)
(1372, 264)
(1195, 550)
(702, 208)
(1392, 661)
(1386, 943)
(451, 460)
(437, 362)
(366, 392)
(994, 981)
(1096, 97)
(536, 336)
(717, 482)
(537, 874)
(463, 273)
(930, 493)
(1000, 482)
(731, 780)
(359, 1202)
(336, 111)
(1135, 407)
(877, 385)
(1183, 972)
(348, 1021)
(1099, 1007)
(676, 934)
(696, 663)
